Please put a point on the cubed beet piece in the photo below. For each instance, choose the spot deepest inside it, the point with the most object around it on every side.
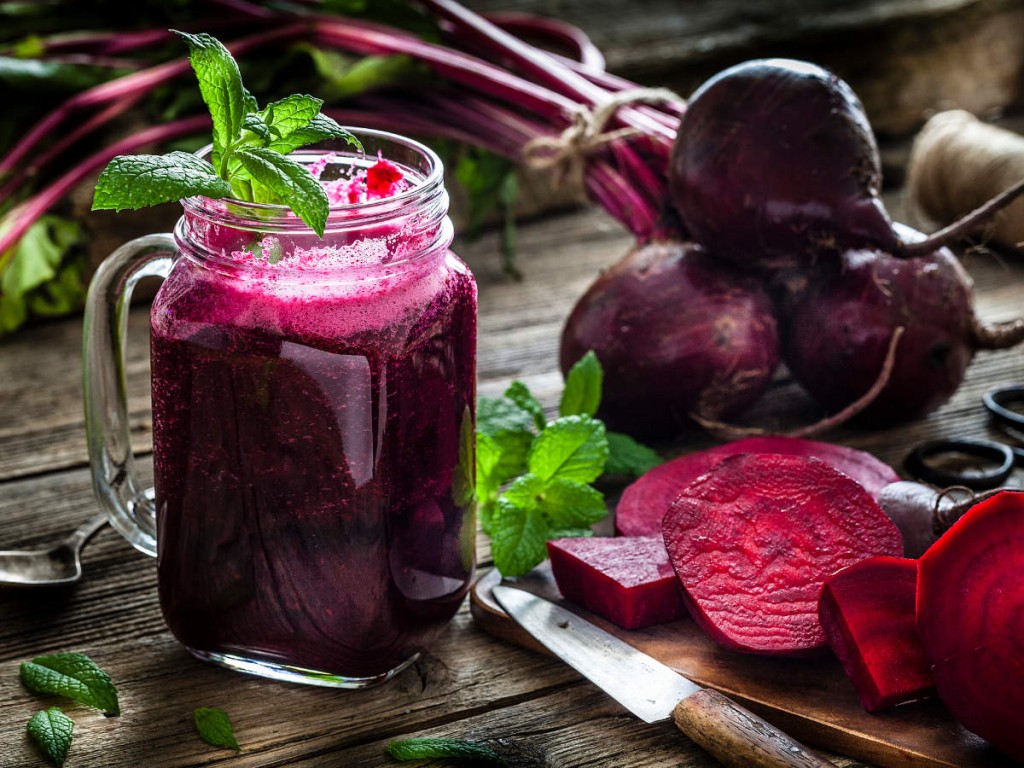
(867, 612)
(627, 580)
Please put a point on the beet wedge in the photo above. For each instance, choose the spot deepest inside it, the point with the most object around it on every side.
(753, 540)
(868, 614)
(645, 501)
(628, 581)
(970, 612)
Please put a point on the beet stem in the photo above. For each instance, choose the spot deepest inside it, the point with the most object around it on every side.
(963, 227)
(998, 336)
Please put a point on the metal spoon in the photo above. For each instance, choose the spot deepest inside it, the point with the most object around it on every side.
(60, 564)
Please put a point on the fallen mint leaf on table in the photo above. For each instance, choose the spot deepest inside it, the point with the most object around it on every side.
(51, 731)
(424, 748)
(73, 675)
(215, 727)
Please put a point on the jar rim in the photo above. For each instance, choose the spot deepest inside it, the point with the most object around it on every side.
(245, 214)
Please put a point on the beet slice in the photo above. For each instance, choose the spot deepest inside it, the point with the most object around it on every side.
(646, 500)
(628, 581)
(754, 539)
(970, 612)
(868, 614)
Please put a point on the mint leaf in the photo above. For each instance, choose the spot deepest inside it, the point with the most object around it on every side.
(287, 115)
(501, 414)
(136, 181)
(572, 448)
(582, 393)
(255, 125)
(628, 457)
(525, 492)
(51, 730)
(518, 538)
(521, 395)
(220, 84)
(569, 504)
(288, 181)
(320, 128)
(424, 748)
(464, 477)
(74, 675)
(215, 727)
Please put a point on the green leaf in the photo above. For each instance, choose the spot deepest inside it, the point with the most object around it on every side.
(628, 457)
(320, 128)
(74, 675)
(255, 125)
(518, 538)
(569, 504)
(51, 730)
(501, 414)
(287, 115)
(50, 76)
(136, 181)
(464, 476)
(521, 395)
(425, 748)
(582, 393)
(571, 448)
(220, 83)
(347, 76)
(525, 492)
(215, 727)
(288, 181)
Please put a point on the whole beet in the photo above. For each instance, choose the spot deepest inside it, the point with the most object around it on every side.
(677, 336)
(775, 164)
(837, 330)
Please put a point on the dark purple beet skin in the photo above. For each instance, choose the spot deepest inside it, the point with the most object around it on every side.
(677, 336)
(837, 331)
(775, 163)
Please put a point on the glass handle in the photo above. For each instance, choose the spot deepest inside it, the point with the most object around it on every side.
(131, 510)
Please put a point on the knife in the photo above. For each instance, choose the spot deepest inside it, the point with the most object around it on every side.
(653, 691)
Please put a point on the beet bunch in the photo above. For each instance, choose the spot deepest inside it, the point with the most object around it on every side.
(774, 180)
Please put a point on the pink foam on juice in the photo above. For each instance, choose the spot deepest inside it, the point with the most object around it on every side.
(307, 423)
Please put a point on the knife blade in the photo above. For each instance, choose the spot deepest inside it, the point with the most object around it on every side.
(653, 691)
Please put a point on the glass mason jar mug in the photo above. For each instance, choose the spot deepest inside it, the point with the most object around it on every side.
(313, 424)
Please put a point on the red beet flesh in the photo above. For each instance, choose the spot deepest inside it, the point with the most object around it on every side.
(837, 332)
(867, 612)
(754, 539)
(628, 581)
(645, 501)
(774, 163)
(970, 612)
(676, 336)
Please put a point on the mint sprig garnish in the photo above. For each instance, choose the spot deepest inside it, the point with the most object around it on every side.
(73, 675)
(51, 730)
(247, 159)
(534, 477)
(425, 748)
(215, 727)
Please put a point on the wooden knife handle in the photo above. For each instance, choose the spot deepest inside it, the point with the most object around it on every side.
(739, 738)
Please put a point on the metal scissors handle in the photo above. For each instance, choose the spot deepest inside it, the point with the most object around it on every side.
(999, 458)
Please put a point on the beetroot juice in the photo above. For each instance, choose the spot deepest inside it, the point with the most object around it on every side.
(313, 410)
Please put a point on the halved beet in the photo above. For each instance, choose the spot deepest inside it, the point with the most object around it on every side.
(867, 612)
(645, 501)
(754, 539)
(970, 612)
(628, 581)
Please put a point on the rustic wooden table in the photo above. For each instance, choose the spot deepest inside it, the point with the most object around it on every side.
(468, 684)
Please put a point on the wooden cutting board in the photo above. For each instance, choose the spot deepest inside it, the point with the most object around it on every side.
(812, 700)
